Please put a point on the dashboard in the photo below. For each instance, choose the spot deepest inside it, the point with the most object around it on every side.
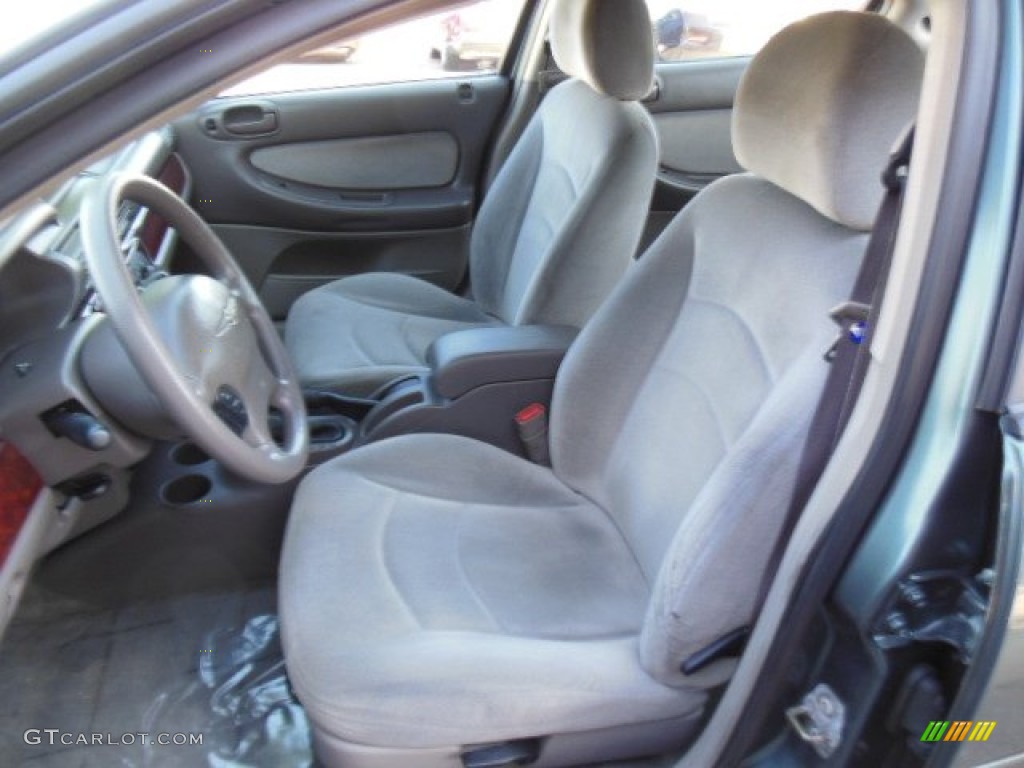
(44, 281)
(50, 311)
(65, 461)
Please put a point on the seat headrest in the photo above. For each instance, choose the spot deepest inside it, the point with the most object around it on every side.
(821, 106)
(608, 44)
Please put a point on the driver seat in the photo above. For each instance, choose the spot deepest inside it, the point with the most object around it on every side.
(554, 235)
(439, 596)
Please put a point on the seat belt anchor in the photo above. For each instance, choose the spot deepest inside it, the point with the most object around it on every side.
(895, 174)
(852, 319)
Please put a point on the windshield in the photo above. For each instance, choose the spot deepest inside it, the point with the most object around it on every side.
(27, 21)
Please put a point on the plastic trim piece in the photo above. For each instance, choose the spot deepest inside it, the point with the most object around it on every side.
(464, 360)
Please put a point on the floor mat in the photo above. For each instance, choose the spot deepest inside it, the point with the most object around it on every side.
(141, 684)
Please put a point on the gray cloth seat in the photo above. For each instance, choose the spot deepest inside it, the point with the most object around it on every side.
(365, 309)
(487, 520)
(555, 233)
(437, 594)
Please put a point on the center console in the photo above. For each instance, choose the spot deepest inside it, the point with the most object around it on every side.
(476, 381)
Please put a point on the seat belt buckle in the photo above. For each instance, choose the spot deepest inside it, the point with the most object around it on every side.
(852, 319)
(532, 426)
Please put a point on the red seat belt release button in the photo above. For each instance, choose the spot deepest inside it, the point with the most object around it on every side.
(532, 425)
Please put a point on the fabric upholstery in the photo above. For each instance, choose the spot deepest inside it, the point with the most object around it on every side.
(436, 591)
(553, 236)
(562, 221)
(820, 107)
(697, 428)
(360, 332)
(499, 603)
(608, 44)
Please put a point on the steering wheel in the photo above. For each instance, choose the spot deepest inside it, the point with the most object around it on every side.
(204, 345)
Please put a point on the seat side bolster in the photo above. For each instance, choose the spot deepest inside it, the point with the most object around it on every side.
(500, 220)
(598, 238)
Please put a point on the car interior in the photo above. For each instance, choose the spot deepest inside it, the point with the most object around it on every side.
(453, 422)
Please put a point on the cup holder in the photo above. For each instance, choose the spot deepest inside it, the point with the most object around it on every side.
(187, 489)
(189, 455)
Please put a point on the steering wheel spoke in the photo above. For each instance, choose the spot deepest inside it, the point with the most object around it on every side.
(257, 433)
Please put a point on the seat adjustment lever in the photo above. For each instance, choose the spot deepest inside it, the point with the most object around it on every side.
(728, 645)
(523, 752)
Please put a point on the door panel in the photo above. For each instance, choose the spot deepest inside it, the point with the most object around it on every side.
(306, 187)
(285, 263)
(694, 144)
(692, 111)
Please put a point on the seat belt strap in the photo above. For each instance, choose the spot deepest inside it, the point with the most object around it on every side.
(850, 355)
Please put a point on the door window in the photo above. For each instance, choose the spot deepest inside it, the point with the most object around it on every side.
(465, 40)
(701, 29)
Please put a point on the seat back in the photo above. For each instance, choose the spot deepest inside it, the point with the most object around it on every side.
(683, 407)
(562, 220)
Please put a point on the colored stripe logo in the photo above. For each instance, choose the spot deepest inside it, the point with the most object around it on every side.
(961, 730)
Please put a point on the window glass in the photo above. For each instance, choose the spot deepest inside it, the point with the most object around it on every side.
(700, 29)
(25, 22)
(457, 42)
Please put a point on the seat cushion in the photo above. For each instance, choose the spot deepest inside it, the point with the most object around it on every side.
(358, 333)
(437, 591)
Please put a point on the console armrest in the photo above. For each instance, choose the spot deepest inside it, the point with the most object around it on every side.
(464, 360)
